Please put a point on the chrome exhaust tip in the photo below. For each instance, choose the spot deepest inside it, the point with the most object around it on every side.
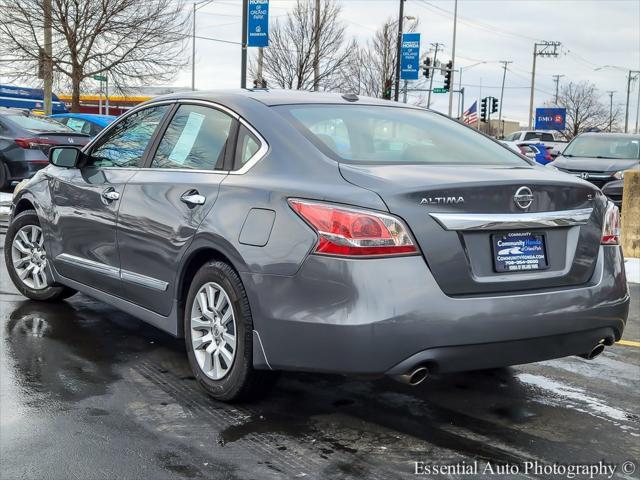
(595, 351)
(413, 377)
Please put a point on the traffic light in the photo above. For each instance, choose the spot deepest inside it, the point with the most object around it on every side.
(386, 94)
(483, 109)
(494, 105)
(427, 67)
(447, 76)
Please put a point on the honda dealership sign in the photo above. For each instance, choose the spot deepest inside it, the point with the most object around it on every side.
(258, 23)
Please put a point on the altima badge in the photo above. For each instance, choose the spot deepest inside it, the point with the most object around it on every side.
(442, 200)
(523, 197)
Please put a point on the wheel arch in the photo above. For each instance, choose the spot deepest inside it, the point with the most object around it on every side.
(195, 259)
(23, 205)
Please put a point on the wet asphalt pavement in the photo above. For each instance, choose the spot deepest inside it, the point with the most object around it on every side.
(88, 392)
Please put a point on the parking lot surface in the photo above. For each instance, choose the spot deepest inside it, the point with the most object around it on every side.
(89, 392)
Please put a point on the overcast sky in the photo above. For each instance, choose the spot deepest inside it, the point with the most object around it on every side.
(593, 33)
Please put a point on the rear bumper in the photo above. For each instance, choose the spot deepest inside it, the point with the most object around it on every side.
(613, 190)
(19, 170)
(385, 316)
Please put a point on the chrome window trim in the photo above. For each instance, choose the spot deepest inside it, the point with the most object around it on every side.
(114, 272)
(262, 151)
(512, 221)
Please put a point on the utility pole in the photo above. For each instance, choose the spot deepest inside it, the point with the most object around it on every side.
(632, 76)
(316, 57)
(196, 7)
(611, 92)
(542, 49)
(556, 79)
(504, 75)
(243, 54)
(435, 58)
(48, 60)
(396, 94)
(453, 54)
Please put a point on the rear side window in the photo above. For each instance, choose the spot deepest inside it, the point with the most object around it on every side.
(248, 145)
(195, 139)
(392, 135)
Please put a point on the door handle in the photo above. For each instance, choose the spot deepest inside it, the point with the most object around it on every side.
(193, 198)
(110, 194)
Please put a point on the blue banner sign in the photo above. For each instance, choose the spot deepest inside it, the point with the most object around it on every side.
(410, 56)
(258, 23)
(551, 118)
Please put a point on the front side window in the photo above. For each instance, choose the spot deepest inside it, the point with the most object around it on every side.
(392, 135)
(126, 142)
(196, 139)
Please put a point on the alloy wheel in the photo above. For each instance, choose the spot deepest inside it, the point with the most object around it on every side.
(29, 257)
(213, 331)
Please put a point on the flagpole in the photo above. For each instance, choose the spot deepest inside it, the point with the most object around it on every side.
(478, 105)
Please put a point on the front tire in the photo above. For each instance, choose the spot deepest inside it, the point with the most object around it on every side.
(219, 336)
(26, 259)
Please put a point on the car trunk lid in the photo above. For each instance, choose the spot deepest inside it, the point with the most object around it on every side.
(461, 256)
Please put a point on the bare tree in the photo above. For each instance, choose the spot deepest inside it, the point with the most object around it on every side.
(132, 41)
(289, 59)
(585, 111)
(372, 66)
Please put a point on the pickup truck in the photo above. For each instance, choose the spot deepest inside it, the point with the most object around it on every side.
(554, 146)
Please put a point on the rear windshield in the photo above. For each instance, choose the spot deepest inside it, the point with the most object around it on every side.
(604, 146)
(388, 135)
(38, 124)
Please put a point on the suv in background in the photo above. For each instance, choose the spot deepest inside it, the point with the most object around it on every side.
(25, 140)
(554, 146)
(601, 158)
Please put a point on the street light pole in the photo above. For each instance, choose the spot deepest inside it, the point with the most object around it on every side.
(435, 57)
(196, 7)
(243, 56)
(504, 75)
(632, 76)
(48, 61)
(611, 92)
(396, 94)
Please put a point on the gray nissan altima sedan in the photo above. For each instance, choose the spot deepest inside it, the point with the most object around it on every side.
(322, 232)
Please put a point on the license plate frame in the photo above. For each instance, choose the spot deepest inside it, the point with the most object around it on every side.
(527, 251)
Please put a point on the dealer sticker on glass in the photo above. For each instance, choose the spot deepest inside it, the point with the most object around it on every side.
(519, 251)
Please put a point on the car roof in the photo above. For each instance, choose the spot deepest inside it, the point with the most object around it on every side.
(271, 97)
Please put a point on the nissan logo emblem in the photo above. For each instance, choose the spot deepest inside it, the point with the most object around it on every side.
(523, 197)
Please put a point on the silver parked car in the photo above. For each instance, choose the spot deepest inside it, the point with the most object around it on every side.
(319, 232)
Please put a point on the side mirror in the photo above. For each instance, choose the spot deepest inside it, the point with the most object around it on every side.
(66, 157)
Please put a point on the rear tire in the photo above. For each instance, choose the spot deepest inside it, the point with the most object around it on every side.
(4, 176)
(26, 259)
(219, 336)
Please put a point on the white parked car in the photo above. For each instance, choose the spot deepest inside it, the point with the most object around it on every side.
(551, 143)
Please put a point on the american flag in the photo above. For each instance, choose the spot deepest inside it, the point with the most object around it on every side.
(471, 115)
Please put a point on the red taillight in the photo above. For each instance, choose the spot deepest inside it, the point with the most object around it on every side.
(352, 232)
(32, 143)
(611, 226)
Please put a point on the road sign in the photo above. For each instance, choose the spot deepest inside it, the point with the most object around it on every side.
(410, 56)
(258, 23)
(551, 118)
(100, 78)
(440, 90)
